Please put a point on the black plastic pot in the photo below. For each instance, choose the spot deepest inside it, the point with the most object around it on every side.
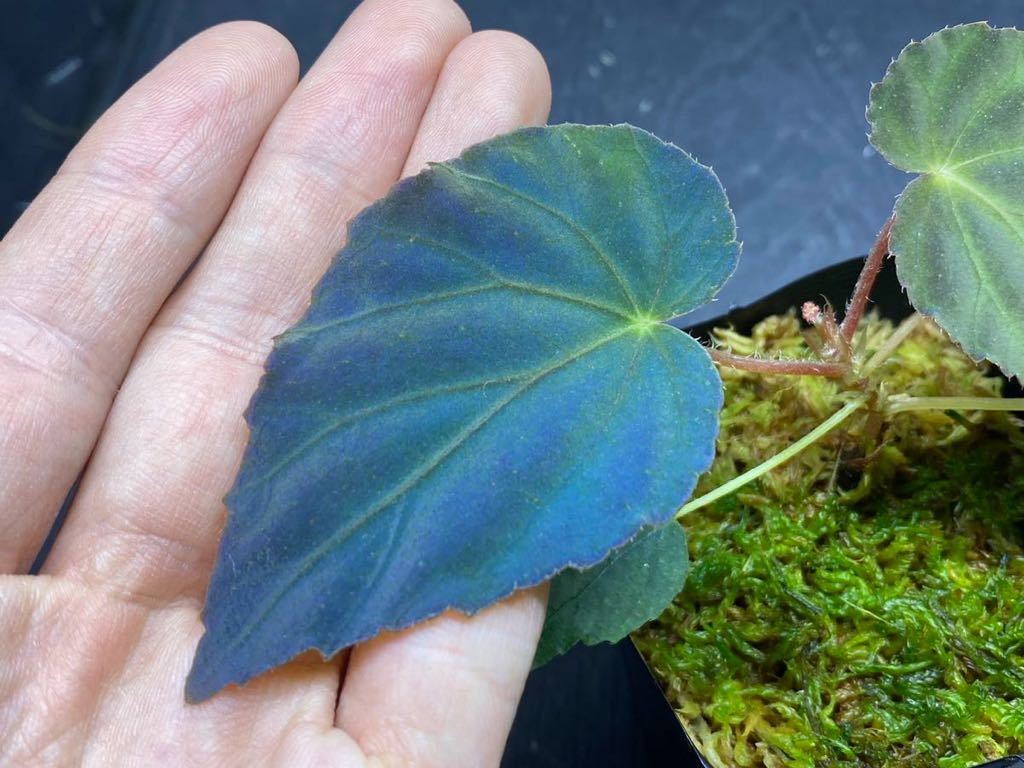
(599, 706)
(1006, 762)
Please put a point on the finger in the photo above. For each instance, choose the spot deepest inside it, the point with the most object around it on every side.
(85, 269)
(445, 693)
(492, 83)
(149, 510)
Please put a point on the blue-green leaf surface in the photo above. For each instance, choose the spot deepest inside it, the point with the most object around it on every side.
(604, 603)
(482, 393)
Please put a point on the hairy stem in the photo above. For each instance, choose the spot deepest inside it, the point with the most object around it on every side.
(780, 458)
(866, 281)
(781, 367)
(899, 403)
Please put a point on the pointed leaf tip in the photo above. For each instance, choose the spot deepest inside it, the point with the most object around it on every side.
(480, 394)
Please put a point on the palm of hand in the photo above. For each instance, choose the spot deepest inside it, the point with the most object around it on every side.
(216, 151)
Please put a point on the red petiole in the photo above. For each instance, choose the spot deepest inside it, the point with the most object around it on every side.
(780, 367)
(866, 281)
(842, 336)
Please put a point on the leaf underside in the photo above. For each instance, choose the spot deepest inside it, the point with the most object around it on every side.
(604, 603)
(482, 393)
(951, 108)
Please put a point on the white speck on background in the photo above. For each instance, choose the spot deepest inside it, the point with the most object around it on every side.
(594, 71)
(868, 151)
(64, 70)
(607, 58)
(645, 106)
(751, 170)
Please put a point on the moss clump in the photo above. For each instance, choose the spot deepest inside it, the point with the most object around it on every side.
(862, 605)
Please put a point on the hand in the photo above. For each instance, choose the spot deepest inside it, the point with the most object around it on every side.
(113, 353)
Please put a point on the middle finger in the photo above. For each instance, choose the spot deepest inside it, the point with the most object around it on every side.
(149, 510)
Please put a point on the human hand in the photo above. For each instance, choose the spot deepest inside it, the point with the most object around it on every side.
(217, 151)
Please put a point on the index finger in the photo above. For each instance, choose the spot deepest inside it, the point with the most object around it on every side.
(85, 269)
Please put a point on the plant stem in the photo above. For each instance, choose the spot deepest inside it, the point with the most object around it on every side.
(900, 403)
(781, 367)
(892, 343)
(780, 458)
(866, 281)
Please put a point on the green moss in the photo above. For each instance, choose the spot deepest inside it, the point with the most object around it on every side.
(862, 605)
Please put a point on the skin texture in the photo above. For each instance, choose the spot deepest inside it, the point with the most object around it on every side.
(114, 361)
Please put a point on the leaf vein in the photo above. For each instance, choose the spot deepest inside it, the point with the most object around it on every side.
(605, 259)
(993, 99)
(981, 274)
(986, 156)
(667, 243)
(990, 203)
(304, 331)
(504, 281)
(373, 410)
(597, 571)
(409, 482)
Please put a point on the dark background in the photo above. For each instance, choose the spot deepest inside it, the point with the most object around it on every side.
(770, 93)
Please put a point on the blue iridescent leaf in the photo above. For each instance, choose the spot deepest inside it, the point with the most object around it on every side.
(482, 393)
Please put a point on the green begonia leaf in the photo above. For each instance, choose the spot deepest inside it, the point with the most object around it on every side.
(482, 393)
(604, 603)
(951, 108)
